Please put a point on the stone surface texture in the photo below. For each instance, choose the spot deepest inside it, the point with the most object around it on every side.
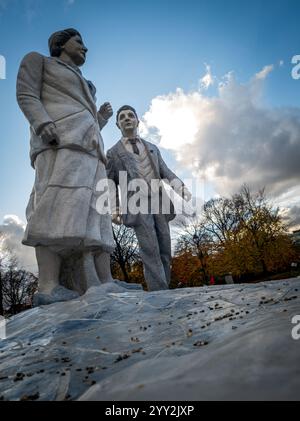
(220, 342)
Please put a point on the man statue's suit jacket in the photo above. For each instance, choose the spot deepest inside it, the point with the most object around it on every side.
(119, 159)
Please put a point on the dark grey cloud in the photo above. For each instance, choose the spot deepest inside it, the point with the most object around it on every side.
(232, 138)
(292, 217)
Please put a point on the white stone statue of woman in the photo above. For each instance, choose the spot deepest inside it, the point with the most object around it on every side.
(67, 153)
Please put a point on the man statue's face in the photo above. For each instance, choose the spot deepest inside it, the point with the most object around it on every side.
(127, 122)
(76, 50)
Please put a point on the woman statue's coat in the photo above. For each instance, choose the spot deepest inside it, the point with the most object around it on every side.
(62, 208)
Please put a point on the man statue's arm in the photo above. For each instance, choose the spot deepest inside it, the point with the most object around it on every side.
(29, 85)
(175, 182)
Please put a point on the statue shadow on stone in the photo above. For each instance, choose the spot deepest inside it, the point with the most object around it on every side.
(78, 272)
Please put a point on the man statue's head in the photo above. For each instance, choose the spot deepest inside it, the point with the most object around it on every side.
(68, 45)
(127, 121)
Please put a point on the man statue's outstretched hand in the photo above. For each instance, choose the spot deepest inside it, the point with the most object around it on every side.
(106, 110)
(49, 134)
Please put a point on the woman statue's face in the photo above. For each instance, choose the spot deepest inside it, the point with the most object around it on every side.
(76, 50)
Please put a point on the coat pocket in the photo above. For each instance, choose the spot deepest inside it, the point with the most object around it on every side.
(78, 130)
(59, 120)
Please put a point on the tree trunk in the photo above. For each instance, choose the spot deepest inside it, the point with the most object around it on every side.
(124, 271)
(265, 269)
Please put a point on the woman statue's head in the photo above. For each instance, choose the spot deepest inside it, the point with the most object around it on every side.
(68, 46)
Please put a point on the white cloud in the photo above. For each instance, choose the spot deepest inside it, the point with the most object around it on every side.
(264, 72)
(13, 229)
(174, 118)
(10, 220)
(231, 138)
(207, 80)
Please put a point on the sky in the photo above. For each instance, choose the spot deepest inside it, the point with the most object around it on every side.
(211, 81)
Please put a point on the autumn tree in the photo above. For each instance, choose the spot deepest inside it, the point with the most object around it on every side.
(195, 241)
(220, 219)
(185, 270)
(243, 235)
(261, 223)
(253, 238)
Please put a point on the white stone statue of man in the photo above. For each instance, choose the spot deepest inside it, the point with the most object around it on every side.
(67, 153)
(141, 160)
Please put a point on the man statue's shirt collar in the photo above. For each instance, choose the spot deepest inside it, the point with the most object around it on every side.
(127, 139)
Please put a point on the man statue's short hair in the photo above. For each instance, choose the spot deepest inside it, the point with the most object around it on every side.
(126, 107)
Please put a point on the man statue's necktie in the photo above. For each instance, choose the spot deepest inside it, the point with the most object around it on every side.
(134, 146)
